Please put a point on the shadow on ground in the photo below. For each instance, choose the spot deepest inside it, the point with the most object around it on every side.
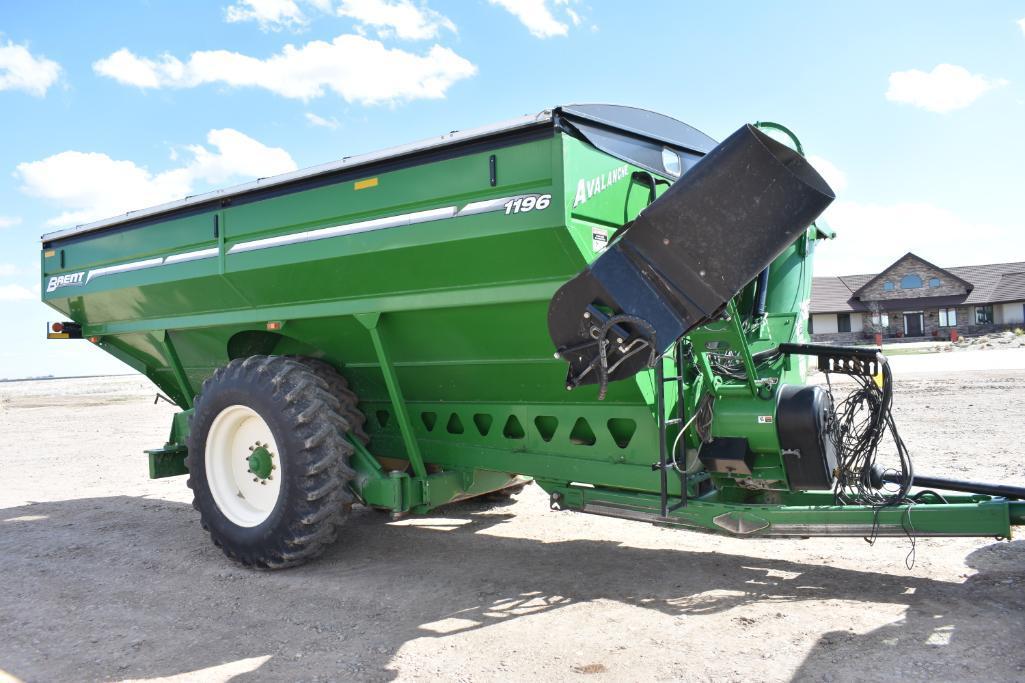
(122, 587)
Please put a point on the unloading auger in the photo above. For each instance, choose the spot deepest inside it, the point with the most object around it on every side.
(374, 330)
(678, 269)
(685, 257)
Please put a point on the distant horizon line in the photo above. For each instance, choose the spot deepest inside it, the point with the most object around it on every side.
(47, 378)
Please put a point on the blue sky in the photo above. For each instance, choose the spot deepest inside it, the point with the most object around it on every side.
(913, 110)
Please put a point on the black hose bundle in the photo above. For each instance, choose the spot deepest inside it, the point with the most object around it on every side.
(730, 365)
(635, 347)
(862, 419)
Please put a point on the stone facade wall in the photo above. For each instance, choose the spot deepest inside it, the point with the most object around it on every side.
(907, 266)
(930, 326)
(840, 338)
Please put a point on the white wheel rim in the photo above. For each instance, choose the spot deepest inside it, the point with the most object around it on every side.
(241, 496)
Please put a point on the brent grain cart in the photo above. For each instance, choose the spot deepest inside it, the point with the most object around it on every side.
(600, 298)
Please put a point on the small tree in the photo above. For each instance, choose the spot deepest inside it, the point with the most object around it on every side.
(875, 320)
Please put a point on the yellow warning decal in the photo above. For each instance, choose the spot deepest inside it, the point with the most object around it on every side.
(49, 254)
(364, 184)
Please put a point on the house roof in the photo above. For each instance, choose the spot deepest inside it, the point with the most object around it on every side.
(911, 255)
(832, 294)
(994, 282)
(989, 283)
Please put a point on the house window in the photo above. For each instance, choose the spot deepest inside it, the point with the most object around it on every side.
(843, 322)
(948, 317)
(811, 328)
(881, 320)
(910, 281)
(983, 315)
(934, 282)
(888, 286)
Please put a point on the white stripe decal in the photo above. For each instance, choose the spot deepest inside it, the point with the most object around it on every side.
(398, 221)
(265, 243)
(489, 205)
(401, 220)
(184, 257)
(191, 256)
(123, 268)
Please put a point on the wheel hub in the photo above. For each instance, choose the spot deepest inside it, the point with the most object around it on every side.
(243, 465)
(260, 461)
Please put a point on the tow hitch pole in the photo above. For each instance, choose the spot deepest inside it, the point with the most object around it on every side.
(944, 484)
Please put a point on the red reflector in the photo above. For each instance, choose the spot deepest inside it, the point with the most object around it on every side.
(274, 325)
(57, 327)
(94, 340)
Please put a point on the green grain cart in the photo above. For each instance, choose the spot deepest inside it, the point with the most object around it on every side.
(600, 298)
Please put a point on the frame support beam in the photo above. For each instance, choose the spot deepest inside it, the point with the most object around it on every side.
(176, 368)
(398, 402)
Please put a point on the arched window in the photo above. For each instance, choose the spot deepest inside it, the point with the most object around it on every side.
(934, 282)
(888, 286)
(910, 281)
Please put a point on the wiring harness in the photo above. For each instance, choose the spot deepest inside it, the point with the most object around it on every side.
(861, 421)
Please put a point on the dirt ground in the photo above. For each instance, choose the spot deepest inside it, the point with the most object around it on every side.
(106, 575)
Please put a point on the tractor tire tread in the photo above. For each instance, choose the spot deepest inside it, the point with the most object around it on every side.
(339, 387)
(308, 408)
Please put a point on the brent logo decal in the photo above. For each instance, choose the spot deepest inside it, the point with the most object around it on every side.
(64, 281)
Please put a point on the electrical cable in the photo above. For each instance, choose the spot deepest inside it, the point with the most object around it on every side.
(730, 365)
(861, 420)
(703, 429)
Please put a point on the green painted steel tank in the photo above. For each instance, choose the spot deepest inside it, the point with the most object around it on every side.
(375, 330)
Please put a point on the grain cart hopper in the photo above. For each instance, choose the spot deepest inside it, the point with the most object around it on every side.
(597, 297)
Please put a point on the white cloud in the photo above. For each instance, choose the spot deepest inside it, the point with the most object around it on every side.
(315, 120)
(19, 70)
(91, 185)
(1021, 24)
(871, 236)
(9, 221)
(8, 269)
(271, 15)
(536, 16)
(126, 68)
(16, 293)
(946, 88)
(356, 68)
(836, 178)
(406, 20)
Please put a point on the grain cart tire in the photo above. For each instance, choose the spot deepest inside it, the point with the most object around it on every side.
(269, 461)
(338, 386)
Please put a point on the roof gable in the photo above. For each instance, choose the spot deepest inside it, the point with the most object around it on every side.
(899, 262)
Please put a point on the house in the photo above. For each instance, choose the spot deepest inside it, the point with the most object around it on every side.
(915, 298)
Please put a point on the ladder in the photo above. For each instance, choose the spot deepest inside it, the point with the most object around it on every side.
(665, 458)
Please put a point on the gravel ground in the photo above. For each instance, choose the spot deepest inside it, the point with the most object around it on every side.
(107, 575)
